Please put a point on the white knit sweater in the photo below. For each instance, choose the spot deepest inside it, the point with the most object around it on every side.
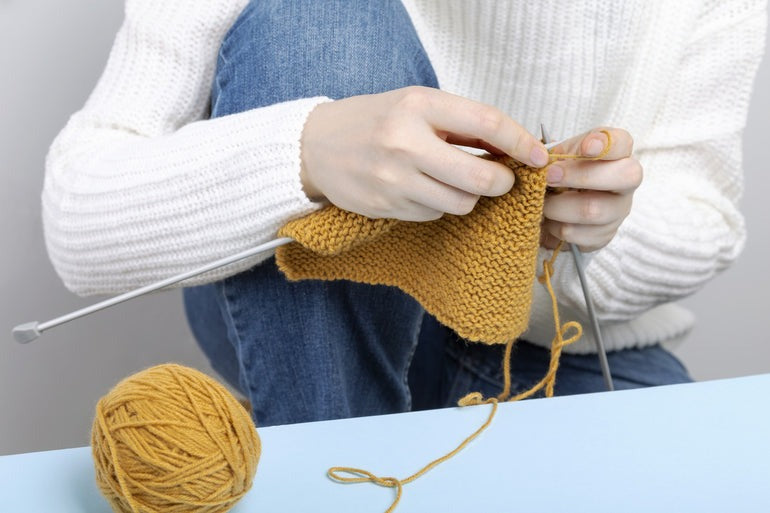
(140, 186)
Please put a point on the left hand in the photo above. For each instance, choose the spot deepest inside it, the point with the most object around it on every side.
(597, 194)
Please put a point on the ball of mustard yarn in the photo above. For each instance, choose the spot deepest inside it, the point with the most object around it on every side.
(170, 438)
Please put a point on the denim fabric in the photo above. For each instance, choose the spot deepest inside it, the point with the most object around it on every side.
(278, 51)
(315, 350)
(446, 367)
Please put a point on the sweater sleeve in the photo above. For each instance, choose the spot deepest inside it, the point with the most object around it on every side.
(140, 186)
(685, 225)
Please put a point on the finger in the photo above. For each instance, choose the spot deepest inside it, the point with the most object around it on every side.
(461, 117)
(464, 171)
(547, 240)
(587, 207)
(591, 144)
(473, 143)
(587, 238)
(406, 210)
(419, 213)
(622, 176)
(441, 197)
(387, 202)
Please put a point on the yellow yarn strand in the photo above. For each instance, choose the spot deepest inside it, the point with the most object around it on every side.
(506, 393)
(558, 342)
(364, 476)
(605, 151)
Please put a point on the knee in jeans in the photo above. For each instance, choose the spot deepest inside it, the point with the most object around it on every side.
(279, 51)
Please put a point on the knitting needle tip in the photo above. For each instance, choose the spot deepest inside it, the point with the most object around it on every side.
(26, 333)
(546, 139)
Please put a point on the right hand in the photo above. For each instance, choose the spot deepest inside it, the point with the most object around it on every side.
(392, 155)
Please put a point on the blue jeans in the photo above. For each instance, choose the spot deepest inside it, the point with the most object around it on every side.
(316, 350)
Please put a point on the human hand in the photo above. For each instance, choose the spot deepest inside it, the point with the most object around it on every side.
(598, 193)
(391, 154)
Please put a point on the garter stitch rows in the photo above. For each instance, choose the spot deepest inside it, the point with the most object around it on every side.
(474, 273)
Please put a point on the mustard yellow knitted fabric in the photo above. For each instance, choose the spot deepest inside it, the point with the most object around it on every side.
(474, 273)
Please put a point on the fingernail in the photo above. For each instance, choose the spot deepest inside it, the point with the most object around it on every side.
(538, 156)
(595, 147)
(554, 174)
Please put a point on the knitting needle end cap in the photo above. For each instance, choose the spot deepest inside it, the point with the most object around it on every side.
(26, 333)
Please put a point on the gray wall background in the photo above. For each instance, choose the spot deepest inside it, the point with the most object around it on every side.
(51, 54)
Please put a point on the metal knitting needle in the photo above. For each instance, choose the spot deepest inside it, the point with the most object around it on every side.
(580, 265)
(27, 332)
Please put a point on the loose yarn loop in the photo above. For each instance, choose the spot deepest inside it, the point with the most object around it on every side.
(364, 476)
(548, 381)
(170, 438)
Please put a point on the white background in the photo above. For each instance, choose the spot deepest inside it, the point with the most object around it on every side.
(51, 54)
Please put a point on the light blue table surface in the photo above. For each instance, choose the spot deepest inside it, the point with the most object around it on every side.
(702, 447)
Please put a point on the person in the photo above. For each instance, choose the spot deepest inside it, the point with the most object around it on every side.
(215, 123)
